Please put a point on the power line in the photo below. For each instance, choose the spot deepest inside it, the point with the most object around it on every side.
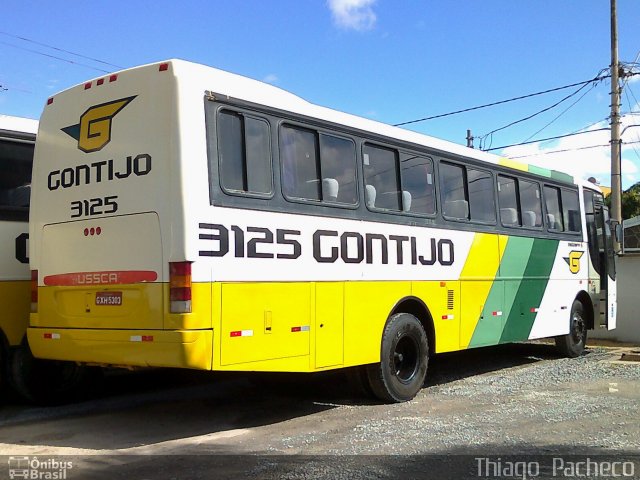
(59, 49)
(547, 139)
(628, 127)
(628, 91)
(560, 114)
(500, 102)
(599, 77)
(529, 117)
(630, 65)
(569, 150)
(561, 151)
(558, 137)
(5, 87)
(54, 57)
(582, 131)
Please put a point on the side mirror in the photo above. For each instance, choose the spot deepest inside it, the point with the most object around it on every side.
(618, 232)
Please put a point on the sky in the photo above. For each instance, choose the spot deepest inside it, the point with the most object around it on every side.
(389, 60)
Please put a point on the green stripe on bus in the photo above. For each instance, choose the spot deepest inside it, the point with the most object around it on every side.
(562, 177)
(512, 270)
(529, 291)
(540, 171)
(489, 328)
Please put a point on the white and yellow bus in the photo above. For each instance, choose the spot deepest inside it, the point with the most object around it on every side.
(187, 217)
(32, 379)
(17, 140)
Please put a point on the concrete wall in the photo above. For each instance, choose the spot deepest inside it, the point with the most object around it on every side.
(628, 325)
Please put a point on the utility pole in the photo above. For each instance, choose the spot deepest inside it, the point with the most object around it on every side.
(469, 139)
(616, 181)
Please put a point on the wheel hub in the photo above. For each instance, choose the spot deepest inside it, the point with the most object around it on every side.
(406, 359)
(578, 327)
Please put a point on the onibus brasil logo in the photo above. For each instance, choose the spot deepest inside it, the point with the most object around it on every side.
(94, 130)
(38, 468)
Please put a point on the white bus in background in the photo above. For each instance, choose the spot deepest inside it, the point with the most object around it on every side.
(34, 380)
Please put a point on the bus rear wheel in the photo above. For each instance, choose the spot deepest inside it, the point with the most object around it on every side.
(404, 356)
(47, 382)
(572, 344)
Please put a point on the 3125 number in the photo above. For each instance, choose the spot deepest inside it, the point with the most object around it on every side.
(94, 206)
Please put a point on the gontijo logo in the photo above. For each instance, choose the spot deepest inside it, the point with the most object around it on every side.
(573, 260)
(94, 130)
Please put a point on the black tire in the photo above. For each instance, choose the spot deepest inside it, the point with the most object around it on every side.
(359, 381)
(3, 368)
(48, 382)
(404, 356)
(572, 344)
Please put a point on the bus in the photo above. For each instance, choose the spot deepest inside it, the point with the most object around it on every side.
(187, 217)
(33, 380)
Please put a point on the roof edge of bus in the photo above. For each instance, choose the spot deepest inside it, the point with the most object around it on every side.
(186, 65)
(302, 106)
(10, 123)
(587, 184)
(114, 72)
(352, 120)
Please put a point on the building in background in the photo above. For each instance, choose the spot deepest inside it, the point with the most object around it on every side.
(632, 235)
(628, 271)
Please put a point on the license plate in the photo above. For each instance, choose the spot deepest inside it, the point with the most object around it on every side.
(109, 298)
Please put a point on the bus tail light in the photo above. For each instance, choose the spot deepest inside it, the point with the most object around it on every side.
(34, 291)
(180, 287)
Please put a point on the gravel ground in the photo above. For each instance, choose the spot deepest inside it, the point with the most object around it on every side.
(511, 409)
(508, 400)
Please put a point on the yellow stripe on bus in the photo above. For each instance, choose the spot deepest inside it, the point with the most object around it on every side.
(505, 162)
(476, 278)
(15, 299)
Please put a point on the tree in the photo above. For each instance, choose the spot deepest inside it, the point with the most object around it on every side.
(630, 202)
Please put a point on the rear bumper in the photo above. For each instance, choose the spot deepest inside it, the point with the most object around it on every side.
(136, 348)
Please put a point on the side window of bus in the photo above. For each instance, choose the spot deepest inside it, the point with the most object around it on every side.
(398, 181)
(554, 211)
(381, 178)
(15, 177)
(530, 204)
(519, 202)
(467, 193)
(508, 201)
(299, 157)
(244, 154)
(452, 187)
(418, 191)
(571, 211)
(481, 196)
(338, 167)
(317, 166)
